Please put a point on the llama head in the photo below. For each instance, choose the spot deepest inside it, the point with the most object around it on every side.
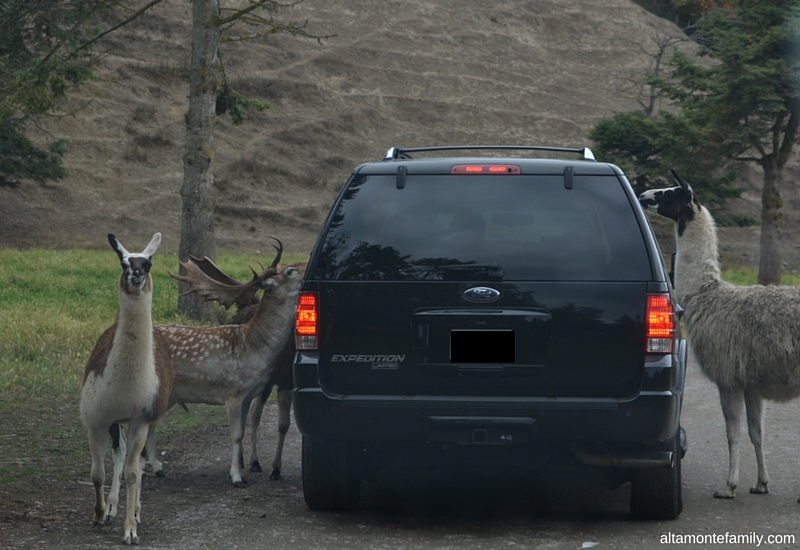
(677, 203)
(135, 267)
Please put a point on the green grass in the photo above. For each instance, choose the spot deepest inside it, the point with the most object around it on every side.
(55, 304)
(746, 277)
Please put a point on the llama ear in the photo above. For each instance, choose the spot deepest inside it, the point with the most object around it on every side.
(118, 248)
(152, 247)
(682, 182)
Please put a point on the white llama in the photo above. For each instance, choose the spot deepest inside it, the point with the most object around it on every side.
(746, 339)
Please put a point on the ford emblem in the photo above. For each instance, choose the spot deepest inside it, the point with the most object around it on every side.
(481, 294)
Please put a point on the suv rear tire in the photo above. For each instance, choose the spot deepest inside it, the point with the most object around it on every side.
(656, 492)
(330, 480)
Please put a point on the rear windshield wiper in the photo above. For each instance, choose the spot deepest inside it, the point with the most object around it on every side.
(460, 272)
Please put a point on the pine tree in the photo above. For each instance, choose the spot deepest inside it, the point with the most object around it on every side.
(45, 50)
(744, 106)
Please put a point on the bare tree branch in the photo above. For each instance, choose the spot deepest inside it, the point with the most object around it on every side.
(255, 4)
(112, 29)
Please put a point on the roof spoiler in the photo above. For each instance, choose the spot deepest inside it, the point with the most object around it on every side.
(395, 153)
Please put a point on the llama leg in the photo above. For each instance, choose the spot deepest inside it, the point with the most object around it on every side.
(755, 426)
(98, 439)
(138, 514)
(137, 437)
(237, 415)
(118, 452)
(732, 404)
(284, 418)
(152, 452)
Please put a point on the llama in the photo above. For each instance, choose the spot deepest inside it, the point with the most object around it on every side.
(231, 365)
(746, 339)
(128, 379)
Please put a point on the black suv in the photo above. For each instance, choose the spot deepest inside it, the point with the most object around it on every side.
(474, 310)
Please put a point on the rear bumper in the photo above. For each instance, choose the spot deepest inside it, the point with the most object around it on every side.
(653, 415)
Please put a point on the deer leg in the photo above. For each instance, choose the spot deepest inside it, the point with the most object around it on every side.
(284, 419)
(237, 413)
(152, 452)
(98, 440)
(137, 436)
(732, 407)
(755, 427)
(255, 421)
(118, 451)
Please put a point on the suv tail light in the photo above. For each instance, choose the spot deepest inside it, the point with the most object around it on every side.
(472, 169)
(307, 321)
(659, 324)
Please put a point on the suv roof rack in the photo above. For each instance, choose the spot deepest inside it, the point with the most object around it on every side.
(395, 153)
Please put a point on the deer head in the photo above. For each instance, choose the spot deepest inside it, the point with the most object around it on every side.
(210, 282)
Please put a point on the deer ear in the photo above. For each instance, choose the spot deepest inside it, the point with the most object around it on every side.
(118, 248)
(153, 246)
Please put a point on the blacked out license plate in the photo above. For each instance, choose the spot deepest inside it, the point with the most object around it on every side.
(481, 346)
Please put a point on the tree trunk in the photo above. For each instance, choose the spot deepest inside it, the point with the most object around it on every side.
(770, 267)
(197, 223)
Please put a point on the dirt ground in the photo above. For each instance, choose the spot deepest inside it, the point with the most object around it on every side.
(195, 506)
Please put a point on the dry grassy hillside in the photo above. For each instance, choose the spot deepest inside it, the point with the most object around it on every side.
(396, 73)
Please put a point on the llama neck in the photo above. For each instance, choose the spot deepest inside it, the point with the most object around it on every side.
(133, 349)
(697, 258)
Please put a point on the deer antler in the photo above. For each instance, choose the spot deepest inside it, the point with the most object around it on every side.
(210, 282)
(211, 269)
(279, 248)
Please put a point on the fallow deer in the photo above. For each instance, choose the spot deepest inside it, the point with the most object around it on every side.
(281, 379)
(231, 365)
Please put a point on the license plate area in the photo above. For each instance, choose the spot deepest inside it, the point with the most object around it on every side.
(474, 346)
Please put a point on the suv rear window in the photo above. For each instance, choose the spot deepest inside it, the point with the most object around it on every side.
(462, 227)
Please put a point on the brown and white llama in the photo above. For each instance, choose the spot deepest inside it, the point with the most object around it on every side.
(746, 339)
(128, 379)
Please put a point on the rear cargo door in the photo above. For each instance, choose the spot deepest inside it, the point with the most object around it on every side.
(496, 285)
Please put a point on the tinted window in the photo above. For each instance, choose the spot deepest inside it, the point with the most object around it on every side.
(475, 227)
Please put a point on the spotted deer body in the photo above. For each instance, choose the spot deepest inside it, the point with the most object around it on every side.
(232, 364)
(282, 380)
